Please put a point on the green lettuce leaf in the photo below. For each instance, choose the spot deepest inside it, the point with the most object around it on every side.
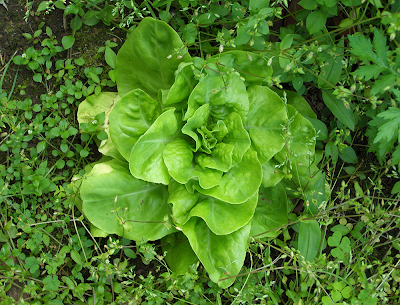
(178, 158)
(252, 67)
(130, 118)
(181, 89)
(182, 202)
(297, 101)
(265, 122)
(144, 59)
(240, 183)
(221, 255)
(117, 203)
(225, 94)
(195, 122)
(271, 212)
(298, 154)
(272, 175)
(221, 217)
(179, 254)
(146, 159)
(95, 104)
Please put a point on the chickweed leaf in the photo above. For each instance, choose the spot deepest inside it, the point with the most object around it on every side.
(67, 42)
(111, 57)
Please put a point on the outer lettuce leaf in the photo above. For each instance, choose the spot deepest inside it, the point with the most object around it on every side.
(130, 118)
(142, 61)
(225, 94)
(108, 148)
(240, 183)
(180, 91)
(252, 67)
(180, 256)
(178, 158)
(182, 202)
(95, 104)
(272, 175)
(271, 212)
(266, 121)
(146, 159)
(298, 154)
(141, 206)
(297, 101)
(221, 255)
(221, 217)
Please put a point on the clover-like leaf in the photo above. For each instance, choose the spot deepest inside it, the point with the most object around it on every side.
(334, 240)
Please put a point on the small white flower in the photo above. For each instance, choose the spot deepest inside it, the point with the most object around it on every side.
(94, 122)
(29, 131)
(23, 55)
(319, 49)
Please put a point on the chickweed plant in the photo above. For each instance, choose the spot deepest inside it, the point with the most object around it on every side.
(341, 243)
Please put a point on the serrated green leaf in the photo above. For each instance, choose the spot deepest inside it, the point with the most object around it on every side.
(362, 47)
(381, 46)
(384, 84)
(389, 130)
(369, 71)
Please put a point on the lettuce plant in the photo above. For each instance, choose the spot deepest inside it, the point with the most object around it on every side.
(200, 153)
